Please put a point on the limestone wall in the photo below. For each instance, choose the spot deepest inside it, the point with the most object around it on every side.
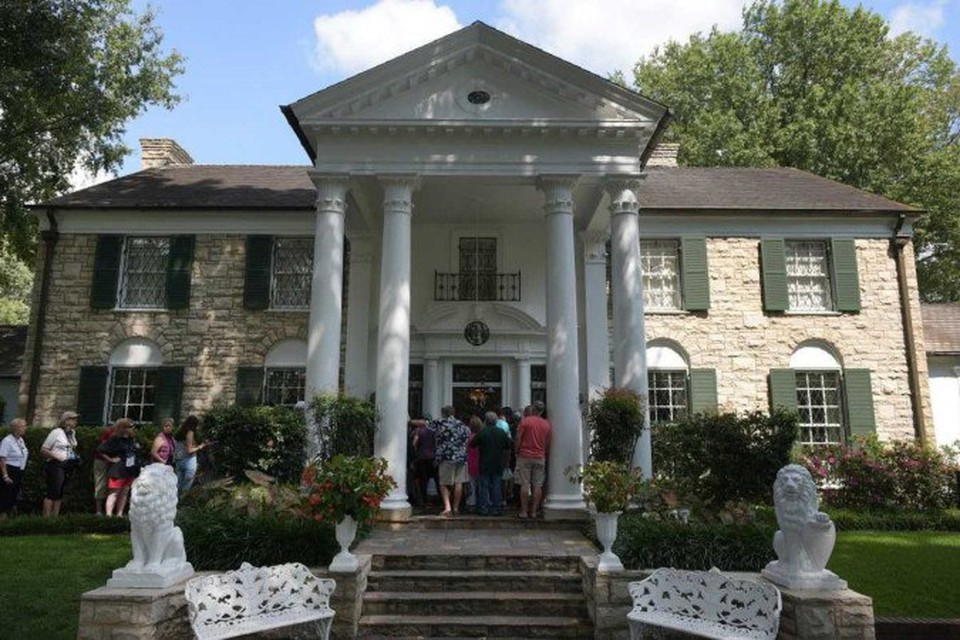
(742, 343)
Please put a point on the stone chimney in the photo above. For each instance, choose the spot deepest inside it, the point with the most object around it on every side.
(664, 156)
(162, 152)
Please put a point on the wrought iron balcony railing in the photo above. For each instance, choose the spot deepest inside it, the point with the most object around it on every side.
(499, 287)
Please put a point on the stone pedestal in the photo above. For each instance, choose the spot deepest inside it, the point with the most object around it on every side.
(111, 613)
(823, 615)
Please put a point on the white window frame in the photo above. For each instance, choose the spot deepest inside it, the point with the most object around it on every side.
(812, 363)
(656, 254)
(298, 375)
(140, 357)
(667, 360)
(123, 284)
(285, 358)
(799, 253)
(275, 277)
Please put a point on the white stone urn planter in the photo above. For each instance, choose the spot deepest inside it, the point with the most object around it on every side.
(345, 562)
(607, 561)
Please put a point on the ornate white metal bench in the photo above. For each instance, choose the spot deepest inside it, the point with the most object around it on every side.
(252, 599)
(704, 603)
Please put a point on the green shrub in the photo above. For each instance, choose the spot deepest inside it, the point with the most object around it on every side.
(72, 523)
(647, 543)
(868, 474)
(78, 491)
(346, 426)
(615, 420)
(722, 457)
(267, 439)
(220, 538)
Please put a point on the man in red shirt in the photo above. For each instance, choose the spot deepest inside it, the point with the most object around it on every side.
(533, 440)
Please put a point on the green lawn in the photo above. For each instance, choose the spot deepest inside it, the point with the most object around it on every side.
(906, 573)
(44, 576)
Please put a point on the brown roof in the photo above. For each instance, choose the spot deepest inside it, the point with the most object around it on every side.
(941, 327)
(13, 342)
(289, 187)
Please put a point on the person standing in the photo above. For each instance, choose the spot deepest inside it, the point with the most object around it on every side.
(185, 453)
(533, 439)
(121, 451)
(164, 444)
(491, 442)
(13, 462)
(452, 437)
(473, 465)
(100, 466)
(60, 451)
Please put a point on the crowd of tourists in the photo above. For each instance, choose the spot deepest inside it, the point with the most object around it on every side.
(484, 465)
(116, 462)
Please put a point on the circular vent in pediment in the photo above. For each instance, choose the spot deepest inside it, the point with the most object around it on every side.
(478, 97)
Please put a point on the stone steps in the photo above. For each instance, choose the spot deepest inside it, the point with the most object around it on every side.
(459, 563)
(445, 581)
(468, 603)
(478, 626)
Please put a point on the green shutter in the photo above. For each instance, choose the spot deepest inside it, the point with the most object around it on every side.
(256, 286)
(696, 280)
(843, 258)
(179, 266)
(91, 395)
(859, 397)
(703, 391)
(249, 386)
(774, 267)
(106, 271)
(783, 389)
(168, 392)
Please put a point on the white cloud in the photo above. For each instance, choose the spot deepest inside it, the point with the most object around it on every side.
(81, 178)
(923, 19)
(608, 35)
(352, 41)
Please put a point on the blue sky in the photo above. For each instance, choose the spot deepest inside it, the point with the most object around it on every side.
(244, 58)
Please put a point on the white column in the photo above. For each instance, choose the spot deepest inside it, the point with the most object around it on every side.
(595, 318)
(523, 383)
(563, 377)
(431, 387)
(356, 374)
(393, 343)
(629, 334)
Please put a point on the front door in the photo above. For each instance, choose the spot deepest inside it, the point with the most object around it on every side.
(477, 388)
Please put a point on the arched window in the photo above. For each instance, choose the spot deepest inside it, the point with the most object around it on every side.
(819, 380)
(134, 380)
(667, 378)
(285, 373)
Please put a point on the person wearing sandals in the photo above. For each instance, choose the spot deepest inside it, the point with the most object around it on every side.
(533, 439)
(452, 437)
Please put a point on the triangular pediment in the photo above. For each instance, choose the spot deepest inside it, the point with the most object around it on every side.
(477, 75)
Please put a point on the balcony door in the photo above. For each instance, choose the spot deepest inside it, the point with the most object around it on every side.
(478, 269)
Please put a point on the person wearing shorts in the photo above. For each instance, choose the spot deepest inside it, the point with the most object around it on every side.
(452, 437)
(533, 439)
(121, 451)
(100, 467)
(60, 450)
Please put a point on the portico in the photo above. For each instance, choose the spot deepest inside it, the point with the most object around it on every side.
(474, 180)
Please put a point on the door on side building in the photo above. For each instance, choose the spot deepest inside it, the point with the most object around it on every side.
(477, 388)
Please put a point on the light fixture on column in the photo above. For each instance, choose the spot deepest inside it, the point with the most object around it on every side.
(476, 332)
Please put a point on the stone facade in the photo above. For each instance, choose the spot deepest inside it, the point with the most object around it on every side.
(742, 342)
(210, 340)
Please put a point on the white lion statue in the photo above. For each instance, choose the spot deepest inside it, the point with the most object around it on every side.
(806, 537)
(158, 553)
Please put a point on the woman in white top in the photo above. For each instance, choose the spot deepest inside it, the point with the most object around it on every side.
(13, 460)
(60, 450)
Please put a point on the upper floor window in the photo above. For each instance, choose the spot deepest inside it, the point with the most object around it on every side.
(808, 275)
(478, 269)
(142, 272)
(143, 277)
(279, 273)
(660, 263)
(292, 273)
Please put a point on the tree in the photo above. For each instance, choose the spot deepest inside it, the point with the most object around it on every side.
(16, 282)
(814, 85)
(72, 73)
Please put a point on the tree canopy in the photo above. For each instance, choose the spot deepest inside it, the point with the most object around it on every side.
(814, 85)
(72, 74)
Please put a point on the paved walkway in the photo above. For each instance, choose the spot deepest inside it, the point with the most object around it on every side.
(478, 536)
